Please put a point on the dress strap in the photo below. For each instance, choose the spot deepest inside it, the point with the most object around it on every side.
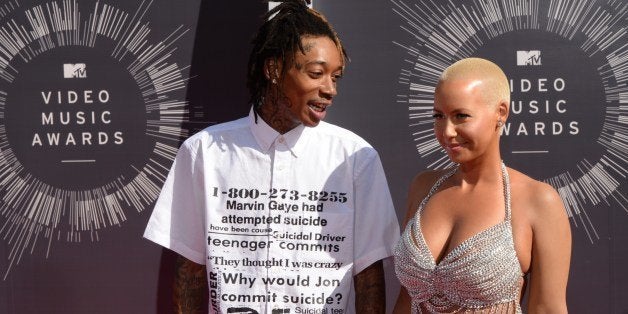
(435, 187)
(506, 184)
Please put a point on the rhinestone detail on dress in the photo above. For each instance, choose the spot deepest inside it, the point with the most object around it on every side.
(481, 275)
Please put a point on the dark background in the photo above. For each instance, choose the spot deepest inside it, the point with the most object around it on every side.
(123, 273)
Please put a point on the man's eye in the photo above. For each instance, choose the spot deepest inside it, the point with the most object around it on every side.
(316, 74)
(437, 116)
(462, 115)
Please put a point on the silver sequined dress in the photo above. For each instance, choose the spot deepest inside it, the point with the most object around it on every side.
(481, 275)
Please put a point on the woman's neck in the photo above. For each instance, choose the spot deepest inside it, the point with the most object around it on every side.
(484, 169)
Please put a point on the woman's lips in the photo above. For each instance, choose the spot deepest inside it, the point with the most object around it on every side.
(453, 147)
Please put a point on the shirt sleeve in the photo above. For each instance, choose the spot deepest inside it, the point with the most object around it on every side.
(376, 225)
(177, 221)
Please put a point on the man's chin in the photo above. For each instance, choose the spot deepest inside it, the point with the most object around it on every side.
(311, 124)
(310, 121)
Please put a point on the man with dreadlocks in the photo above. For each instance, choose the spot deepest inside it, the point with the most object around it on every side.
(279, 212)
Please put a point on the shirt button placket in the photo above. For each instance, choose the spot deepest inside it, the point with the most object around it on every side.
(280, 152)
(280, 181)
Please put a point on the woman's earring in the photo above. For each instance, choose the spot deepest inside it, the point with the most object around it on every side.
(499, 123)
(274, 81)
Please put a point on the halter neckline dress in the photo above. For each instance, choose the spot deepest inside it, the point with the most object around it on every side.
(480, 275)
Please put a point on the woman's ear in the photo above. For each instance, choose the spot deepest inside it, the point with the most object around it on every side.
(503, 109)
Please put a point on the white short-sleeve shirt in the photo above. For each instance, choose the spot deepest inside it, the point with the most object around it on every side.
(282, 222)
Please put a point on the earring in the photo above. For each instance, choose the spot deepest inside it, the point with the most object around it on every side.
(499, 123)
(274, 81)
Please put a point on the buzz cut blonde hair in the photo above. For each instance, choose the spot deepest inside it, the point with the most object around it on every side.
(496, 88)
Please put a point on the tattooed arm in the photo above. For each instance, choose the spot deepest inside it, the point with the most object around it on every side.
(370, 290)
(190, 287)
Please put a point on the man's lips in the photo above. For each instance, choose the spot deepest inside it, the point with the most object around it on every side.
(318, 106)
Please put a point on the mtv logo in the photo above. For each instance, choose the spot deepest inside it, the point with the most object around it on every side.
(74, 70)
(532, 57)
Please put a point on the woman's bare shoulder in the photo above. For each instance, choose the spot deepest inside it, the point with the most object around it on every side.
(423, 181)
(540, 199)
(420, 187)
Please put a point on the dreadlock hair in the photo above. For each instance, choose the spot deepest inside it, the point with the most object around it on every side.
(279, 39)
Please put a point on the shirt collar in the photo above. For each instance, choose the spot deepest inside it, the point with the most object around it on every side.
(266, 136)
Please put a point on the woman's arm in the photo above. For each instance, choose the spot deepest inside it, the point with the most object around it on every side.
(419, 187)
(403, 302)
(551, 252)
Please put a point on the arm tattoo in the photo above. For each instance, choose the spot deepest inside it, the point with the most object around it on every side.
(190, 287)
(370, 289)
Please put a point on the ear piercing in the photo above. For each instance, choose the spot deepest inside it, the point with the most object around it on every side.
(500, 123)
(274, 81)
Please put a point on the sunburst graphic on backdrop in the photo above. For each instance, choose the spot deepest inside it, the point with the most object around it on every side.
(594, 36)
(105, 134)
